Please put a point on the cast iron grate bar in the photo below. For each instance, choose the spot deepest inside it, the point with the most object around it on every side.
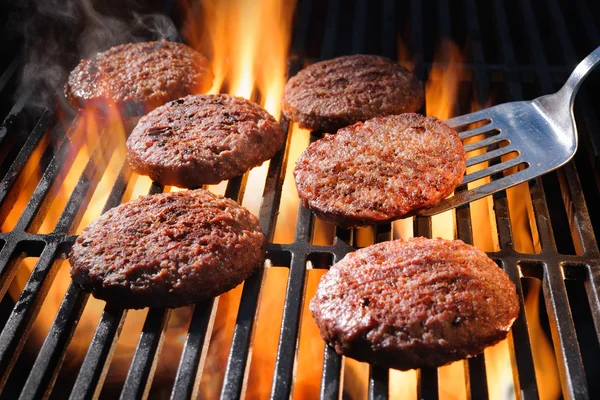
(378, 383)
(139, 378)
(388, 35)
(7, 186)
(9, 71)
(331, 377)
(97, 360)
(359, 37)
(194, 350)
(475, 371)
(238, 361)
(21, 319)
(290, 323)
(45, 369)
(32, 215)
(525, 379)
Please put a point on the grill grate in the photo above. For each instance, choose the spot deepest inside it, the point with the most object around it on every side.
(424, 25)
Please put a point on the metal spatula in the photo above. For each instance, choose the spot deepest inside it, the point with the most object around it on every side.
(540, 135)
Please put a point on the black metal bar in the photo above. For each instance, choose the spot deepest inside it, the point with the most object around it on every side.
(328, 49)
(427, 381)
(331, 377)
(62, 161)
(139, 378)
(290, 324)
(301, 28)
(8, 265)
(97, 360)
(378, 383)
(359, 32)
(50, 357)
(524, 376)
(566, 348)
(88, 181)
(194, 350)
(14, 111)
(6, 187)
(427, 384)
(416, 19)
(585, 18)
(9, 71)
(561, 28)
(475, 371)
(444, 24)
(577, 211)
(508, 53)
(476, 377)
(536, 46)
(388, 35)
(17, 328)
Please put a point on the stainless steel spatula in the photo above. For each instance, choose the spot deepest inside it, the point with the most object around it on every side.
(540, 135)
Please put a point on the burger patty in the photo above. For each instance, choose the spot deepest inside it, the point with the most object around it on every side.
(202, 139)
(139, 77)
(332, 94)
(380, 170)
(168, 250)
(414, 303)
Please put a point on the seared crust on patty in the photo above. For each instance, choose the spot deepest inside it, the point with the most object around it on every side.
(380, 170)
(202, 139)
(168, 250)
(414, 303)
(139, 77)
(332, 94)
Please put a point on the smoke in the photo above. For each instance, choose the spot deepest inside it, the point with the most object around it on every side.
(58, 33)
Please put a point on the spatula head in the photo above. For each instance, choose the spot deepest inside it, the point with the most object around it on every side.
(509, 144)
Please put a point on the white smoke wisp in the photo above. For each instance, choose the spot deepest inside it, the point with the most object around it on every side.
(58, 33)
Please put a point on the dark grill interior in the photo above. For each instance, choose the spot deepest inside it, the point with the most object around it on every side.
(512, 51)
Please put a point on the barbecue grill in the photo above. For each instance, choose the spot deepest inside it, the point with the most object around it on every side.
(514, 51)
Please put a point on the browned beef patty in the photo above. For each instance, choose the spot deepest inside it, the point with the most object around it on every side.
(202, 139)
(139, 76)
(380, 170)
(168, 250)
(414, 303)
(336, 93)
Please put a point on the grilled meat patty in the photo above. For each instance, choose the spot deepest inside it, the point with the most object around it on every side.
(380, 170)
(139, 77)
(202, 139)
(332, 94)
(168, 250)
(414, 303)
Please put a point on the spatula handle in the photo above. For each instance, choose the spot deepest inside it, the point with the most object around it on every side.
(581, 71)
